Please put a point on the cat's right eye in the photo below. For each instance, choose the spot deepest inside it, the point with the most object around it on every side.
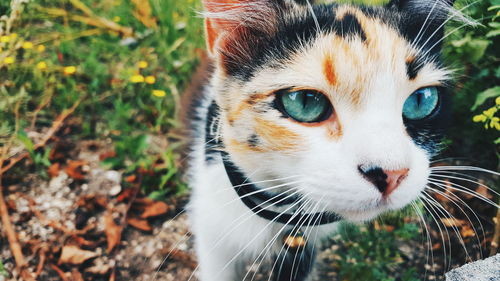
(306, 106)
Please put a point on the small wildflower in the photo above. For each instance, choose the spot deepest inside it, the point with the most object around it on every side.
(142, 64)
(4, 39)
(150, 79)
(116, 19)
(27, 45)
(479, 118)
(40, 48)
(137, 78)
(9, 60)
(69, 70)
(497, 100)
(13, 36)
(41, 65)
(159, 93)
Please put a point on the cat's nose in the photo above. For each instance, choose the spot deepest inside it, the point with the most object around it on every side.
(386, 181)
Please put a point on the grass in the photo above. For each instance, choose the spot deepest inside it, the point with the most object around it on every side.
(127, 63)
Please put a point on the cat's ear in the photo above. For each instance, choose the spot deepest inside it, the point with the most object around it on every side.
(423, 20)
(231, 21)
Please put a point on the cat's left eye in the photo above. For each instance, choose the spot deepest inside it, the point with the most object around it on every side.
(306, 106)
(421, 103)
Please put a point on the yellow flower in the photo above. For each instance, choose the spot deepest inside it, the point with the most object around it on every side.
(9, 60)
(497, 100)
(69, 70)
(116, 19)
(41, 65)
(150, 79)
(490, 112)
(137, 78)
(13, 36)
(4, 39)
(159, 93)
(27, 45)
(142, 64)
(479, 118)
(40, 48)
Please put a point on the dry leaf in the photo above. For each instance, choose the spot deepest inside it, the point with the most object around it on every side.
(131, 178)
(54, 169)
(155, 208)
(143, 13)
(74, 169)
(451, 222)
(76, 275)
(113, 231)
(467, 231)
(483, 190)
(107, 154)
(73, 255)
(141, 224)
(126, 194)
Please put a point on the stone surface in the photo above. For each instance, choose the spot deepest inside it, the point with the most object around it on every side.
(484, 270)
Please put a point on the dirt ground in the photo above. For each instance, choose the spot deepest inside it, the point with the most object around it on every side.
(80, 223)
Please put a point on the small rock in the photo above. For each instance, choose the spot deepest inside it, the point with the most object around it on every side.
(115, 190)
(484, 270)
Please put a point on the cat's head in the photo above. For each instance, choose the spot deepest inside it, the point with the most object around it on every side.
(345, 103)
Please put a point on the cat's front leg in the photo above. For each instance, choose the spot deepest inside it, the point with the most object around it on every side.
(216, 262)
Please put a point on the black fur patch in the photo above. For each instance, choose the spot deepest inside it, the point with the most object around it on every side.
(210, 141)
(295, 265)
(290, 36)
(253, 140)
(412, 68)
(429, 132)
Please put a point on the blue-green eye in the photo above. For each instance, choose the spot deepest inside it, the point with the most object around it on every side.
(306, 105)
(421, 103)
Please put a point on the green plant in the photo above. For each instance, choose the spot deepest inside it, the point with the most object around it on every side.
(371, 253)
(473, 52)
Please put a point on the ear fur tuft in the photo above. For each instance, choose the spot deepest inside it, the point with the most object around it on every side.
(235, 19)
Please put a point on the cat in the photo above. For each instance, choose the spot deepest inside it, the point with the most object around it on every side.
(310, 114)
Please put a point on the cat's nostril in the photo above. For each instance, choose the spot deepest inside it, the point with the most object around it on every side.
(386, 181)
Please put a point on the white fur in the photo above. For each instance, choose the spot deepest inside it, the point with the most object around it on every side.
(325, 171)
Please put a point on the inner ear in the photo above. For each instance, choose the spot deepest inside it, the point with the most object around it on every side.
(234, 19)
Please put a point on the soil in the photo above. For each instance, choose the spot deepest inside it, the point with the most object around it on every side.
(67, 210)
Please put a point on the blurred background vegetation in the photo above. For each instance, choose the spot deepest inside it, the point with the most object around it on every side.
(122, 65)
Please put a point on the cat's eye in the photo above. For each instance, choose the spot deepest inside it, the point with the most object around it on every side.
(421, 103)
(305, 105)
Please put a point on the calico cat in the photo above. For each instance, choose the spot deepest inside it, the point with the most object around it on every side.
(312, 114)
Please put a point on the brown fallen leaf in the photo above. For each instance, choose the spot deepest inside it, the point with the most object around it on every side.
(126, 194)
(451, 222)
(143, 13)
(141, 224)
(107, 154)
(467, 231)
(72, 254)
(74, 169)
(154, 209)
(112, 230)
(54, 169)
(483, 191)
(76, 275)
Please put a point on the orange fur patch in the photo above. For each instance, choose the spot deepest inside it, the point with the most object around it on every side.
(276, 137)
(328, 71)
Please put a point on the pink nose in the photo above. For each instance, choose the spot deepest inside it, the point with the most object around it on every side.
(386, 181)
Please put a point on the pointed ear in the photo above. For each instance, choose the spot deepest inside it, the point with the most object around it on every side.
(227, 21)
(423, 20)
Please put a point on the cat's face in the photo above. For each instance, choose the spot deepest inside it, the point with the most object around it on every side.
(344, 103)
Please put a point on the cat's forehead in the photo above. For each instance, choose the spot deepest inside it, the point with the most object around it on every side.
(341, 36)
(354, 50)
